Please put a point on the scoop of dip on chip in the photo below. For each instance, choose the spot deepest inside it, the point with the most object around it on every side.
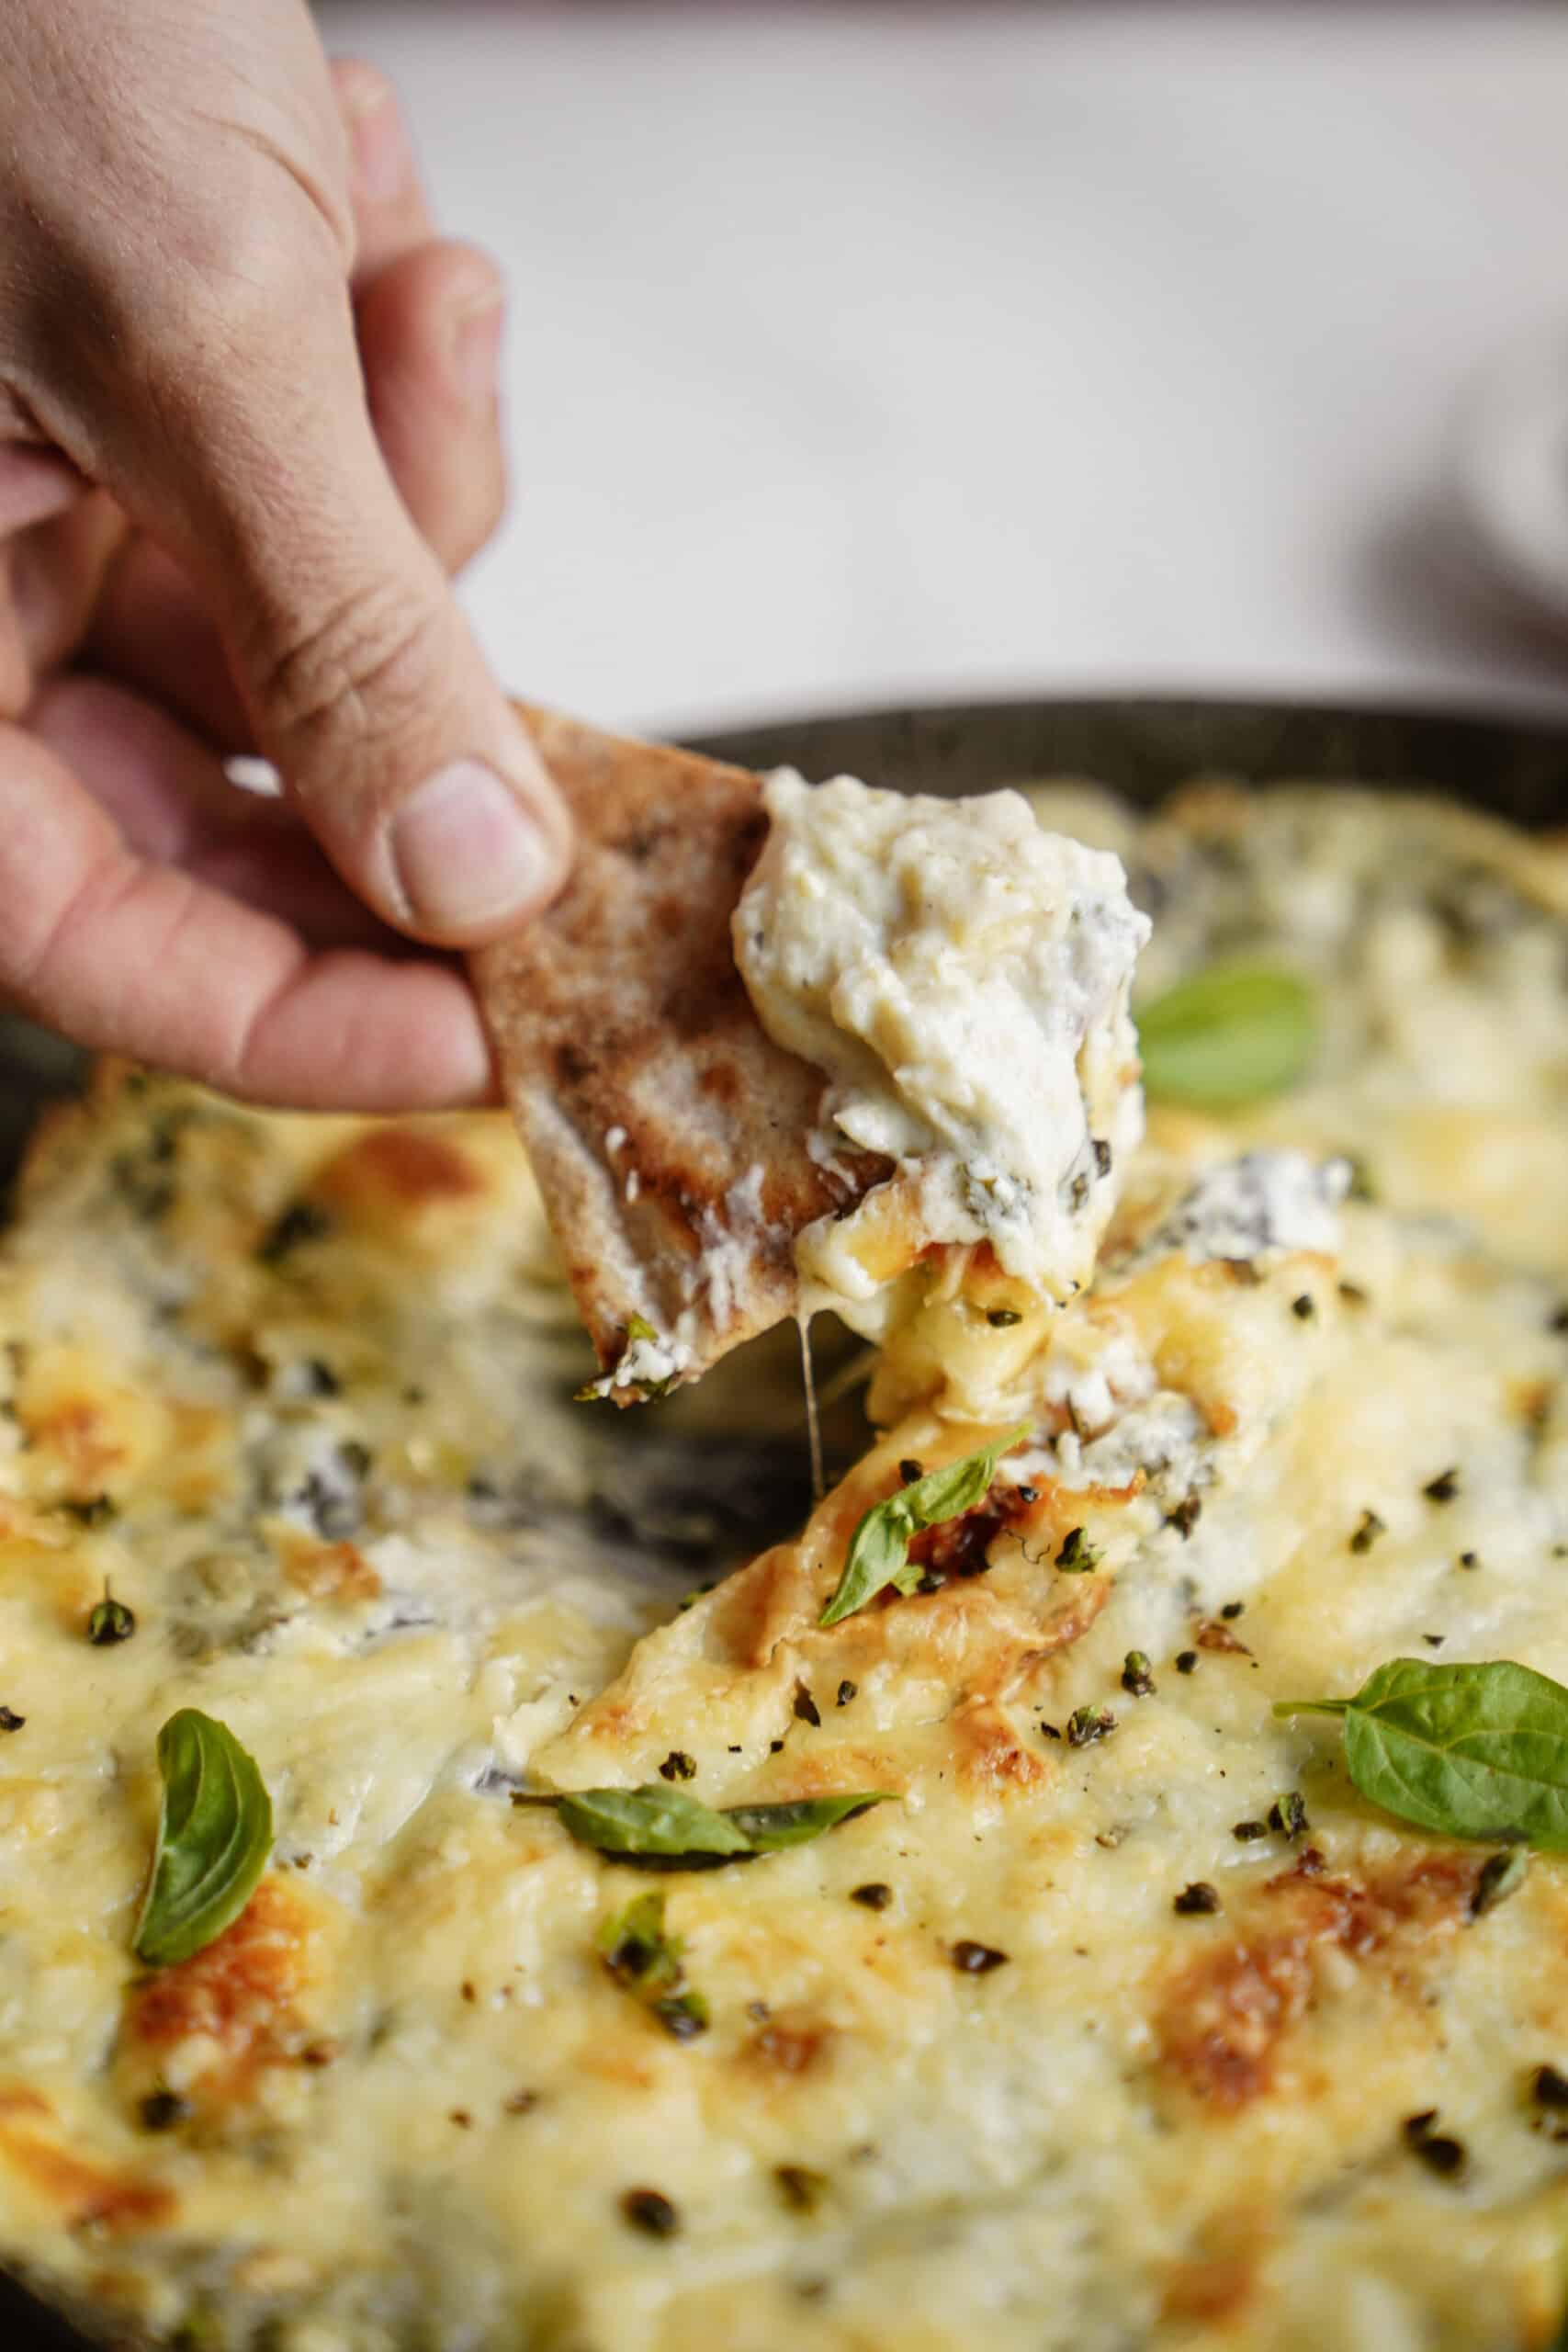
(962, 976)
(778, 1047)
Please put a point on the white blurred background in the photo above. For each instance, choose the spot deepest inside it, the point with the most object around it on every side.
(862, 352)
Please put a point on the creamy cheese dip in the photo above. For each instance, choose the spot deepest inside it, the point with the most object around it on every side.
(962, 976)
(1263, 1201)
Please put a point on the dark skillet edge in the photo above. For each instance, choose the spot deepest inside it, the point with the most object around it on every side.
(1143, 745)
(44, 2320)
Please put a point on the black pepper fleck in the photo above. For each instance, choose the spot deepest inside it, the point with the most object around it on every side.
(1549, 2088)
(301, 1221)
(875, 1894)
(10, 1720)
(801, 2188)
(649, 2210)
(978, 1960)
(1288, 1815)
(92, 1512)
(683, 2015)
(1245, 1831)
(1440, 2154)
(160, 2111)
(1443, 1487)
(1001, 1318)
(1469, 1559)
(1368, 1527)
(678, 1765)
(909, 1470)
(1186, 1515)
(1304, 1307)
(805, 1708)
(1232, 1611)
(847, 1690)
(1197, 1900)
(1186, 1661)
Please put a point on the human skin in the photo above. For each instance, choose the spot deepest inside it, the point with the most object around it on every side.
(248, 425)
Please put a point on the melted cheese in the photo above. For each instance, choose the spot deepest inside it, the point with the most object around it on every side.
(962, 978)
(969, 2073)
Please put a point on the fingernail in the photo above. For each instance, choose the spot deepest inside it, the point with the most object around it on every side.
(465, 853)
(476, 346)
(383, 160)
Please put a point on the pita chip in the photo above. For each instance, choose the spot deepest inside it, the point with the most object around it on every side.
(671, 1136)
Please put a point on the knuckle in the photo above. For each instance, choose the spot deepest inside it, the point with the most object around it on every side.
(360, 667)
(360, 87)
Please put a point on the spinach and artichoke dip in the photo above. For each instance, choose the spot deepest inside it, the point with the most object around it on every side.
(962, 976)
(1098, 1884)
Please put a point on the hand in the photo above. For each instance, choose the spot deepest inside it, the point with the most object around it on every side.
(247, 413)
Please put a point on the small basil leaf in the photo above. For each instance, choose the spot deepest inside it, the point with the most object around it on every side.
(879, 1548)
(1469, 1751)
(595, 1392)
(1228, 1035)
(214, 1836)
(1500, 1875)
(637, 1948)
(659, 1824)
(641, 1953)
(771, 1827)
(652, 1819)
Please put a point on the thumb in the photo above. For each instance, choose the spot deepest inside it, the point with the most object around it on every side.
(363, 681)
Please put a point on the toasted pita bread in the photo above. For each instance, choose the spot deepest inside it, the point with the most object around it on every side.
(668, 1134)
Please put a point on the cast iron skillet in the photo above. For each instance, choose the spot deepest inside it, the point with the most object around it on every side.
(1141, 746)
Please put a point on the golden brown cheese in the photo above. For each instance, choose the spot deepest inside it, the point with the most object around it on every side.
(968, 2070)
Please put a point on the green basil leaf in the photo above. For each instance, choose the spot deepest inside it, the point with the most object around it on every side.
(638, 1951)
(595, 1392)
(879, 1548)
(771, 1827)
(214, 1838)
(661, 1823)
(1228, 1035)
(1469, 1751)
(653, 1819)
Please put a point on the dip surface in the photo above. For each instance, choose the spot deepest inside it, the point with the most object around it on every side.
(962, 977)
